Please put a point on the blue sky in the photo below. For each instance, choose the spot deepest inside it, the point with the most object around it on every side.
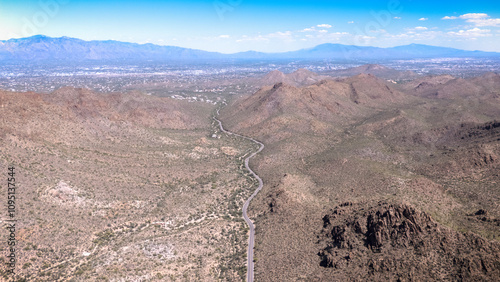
(271, 26)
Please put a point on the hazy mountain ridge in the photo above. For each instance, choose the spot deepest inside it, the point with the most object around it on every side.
(412, 51)
(41, 47)
(65, 48)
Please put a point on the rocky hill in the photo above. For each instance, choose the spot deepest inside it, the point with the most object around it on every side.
(398, 242)
(300, 77)
(376, 70)
(284, 106)
(78, 110)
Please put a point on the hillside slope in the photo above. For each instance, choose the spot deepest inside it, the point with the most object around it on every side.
(417, 171)
(121, 186)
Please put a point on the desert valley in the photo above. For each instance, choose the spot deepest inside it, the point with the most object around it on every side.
(370, 173)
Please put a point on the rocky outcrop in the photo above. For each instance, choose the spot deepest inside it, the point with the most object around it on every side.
(398, 242)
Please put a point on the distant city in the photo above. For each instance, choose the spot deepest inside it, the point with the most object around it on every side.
(187, 79)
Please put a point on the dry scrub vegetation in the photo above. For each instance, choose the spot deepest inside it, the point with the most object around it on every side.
(123, 187)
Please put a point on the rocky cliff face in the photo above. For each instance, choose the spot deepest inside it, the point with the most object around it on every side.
(400, 243)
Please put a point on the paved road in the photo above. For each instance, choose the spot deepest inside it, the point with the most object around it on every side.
(251, 238)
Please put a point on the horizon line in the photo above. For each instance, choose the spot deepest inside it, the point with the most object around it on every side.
(281, 52)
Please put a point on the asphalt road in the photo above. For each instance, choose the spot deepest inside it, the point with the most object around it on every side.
(251, 238)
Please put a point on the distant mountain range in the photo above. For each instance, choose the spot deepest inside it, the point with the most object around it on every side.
(42, 47)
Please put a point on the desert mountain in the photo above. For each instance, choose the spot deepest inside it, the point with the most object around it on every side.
(300, 77)
(146, 110)
(489, 82)
(294, 108)
(274, 77)
(376, 70)
(486, 86)
(369, 90)
(428, 82)
(75, 113)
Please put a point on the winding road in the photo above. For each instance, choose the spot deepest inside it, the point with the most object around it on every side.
(251, 238)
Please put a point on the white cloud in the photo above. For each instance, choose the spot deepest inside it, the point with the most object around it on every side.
(368, 37)
(474, 16)
(350, 22)
(379, 31)
(478, 19)
(279, 34)
(224, 36)
(259, 37)
(471, 33)
(423, 19)
(420, 28)
(309, 29)
(485, 22)
(413, 35)
(397, 18)
(323, 29)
